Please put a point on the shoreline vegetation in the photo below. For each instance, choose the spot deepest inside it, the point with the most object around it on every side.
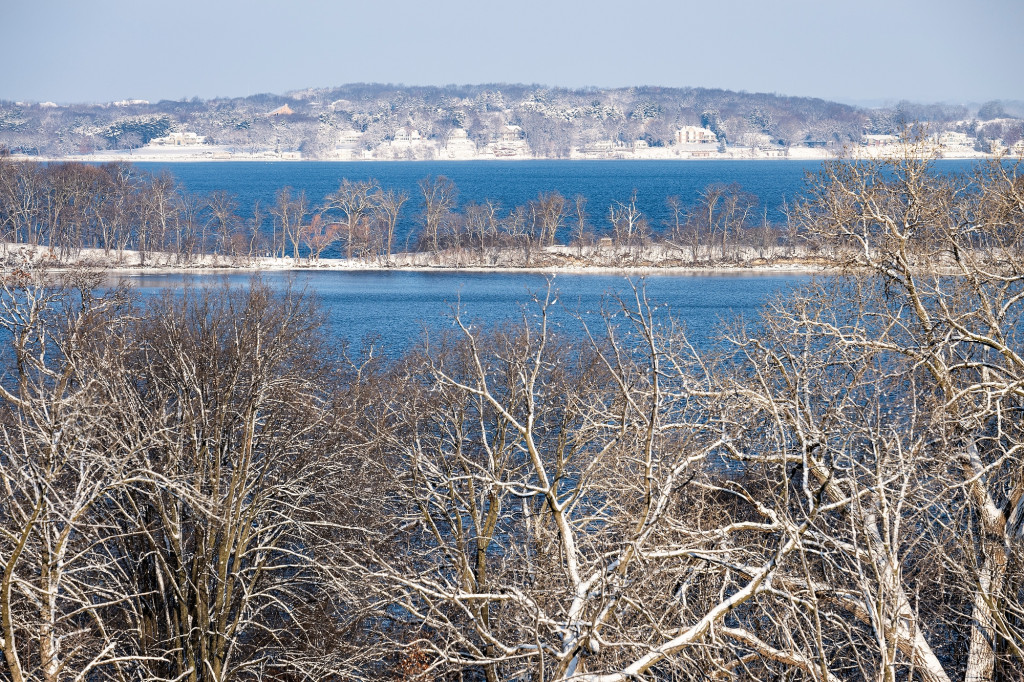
(654, 259)
(186, 155)
(119, 216)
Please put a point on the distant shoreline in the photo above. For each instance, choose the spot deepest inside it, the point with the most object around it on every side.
(110, 158)
(680, 271)
(814, 155)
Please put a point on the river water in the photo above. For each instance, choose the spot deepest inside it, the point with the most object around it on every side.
(509, 183)
(396, 308)
(777, 184)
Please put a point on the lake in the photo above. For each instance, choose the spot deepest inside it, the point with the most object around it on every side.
(510, 183)
(776, 183)
(397, 307)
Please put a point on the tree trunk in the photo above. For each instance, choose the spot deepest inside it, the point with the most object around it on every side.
(991, 576)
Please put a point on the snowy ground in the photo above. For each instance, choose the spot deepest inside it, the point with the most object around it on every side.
(654, 258)
(202, 152)
(190, 153)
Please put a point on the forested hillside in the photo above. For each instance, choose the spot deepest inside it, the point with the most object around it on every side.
(551, 121)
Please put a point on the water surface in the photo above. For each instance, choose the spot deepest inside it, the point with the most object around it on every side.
(777, 184)
(398, 307)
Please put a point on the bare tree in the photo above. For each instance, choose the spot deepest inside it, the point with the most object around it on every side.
(386, 207)
(234, 528)
(161, 215)
(20, 194)
(582, 231)
(117, 212)
(174, 484)
(722, 213)
(320, 234)
(440, 196)
(255, 229)
(517, 225)
(223, 220)
(675, 205)
(628, 223)
(549, 210)
(62, 459)
(290, 215)
(354, 200)
(946, 252)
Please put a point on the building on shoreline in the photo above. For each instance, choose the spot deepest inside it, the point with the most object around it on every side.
(509, 144)
(695, 135)
(458, 146)
(183, 139)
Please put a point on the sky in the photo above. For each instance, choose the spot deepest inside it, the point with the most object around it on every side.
(868, 52)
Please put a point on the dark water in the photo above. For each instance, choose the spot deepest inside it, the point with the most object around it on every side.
(510, 183)
(776, 183)
(399, 307)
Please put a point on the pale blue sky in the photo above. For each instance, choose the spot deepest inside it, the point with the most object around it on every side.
(103, 50)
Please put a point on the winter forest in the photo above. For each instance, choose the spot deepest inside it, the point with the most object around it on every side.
(201, 487)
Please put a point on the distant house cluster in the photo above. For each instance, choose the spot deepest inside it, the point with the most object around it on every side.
(509, 142)
(946, 143)
(497, 121)
(410, 143)
(688, 142)
(178, 140)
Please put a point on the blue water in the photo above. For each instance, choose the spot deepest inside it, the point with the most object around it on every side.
(776, 183)
(510, 183)
(398, 307)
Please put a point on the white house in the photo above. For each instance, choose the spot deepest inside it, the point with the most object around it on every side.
(879, 140)
(348, 137)
(406, 137)
(949, 138)
(509, 144)
(406, 144)
(458, 146)
(511, 134)
(695, 135)
(178, 140)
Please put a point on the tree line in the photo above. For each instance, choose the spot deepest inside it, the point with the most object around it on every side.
(198, 487)
(69, 207)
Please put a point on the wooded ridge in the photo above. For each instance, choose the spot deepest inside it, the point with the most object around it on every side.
(387, 120)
